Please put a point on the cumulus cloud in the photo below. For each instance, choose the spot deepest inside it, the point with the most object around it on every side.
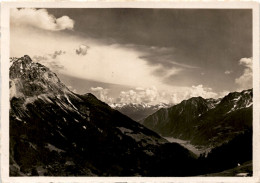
(82, 50)
(102, 94)
(152, 95)
(228, 72)
(39, 18)
(176, 96)
(246, 79)
(202, 91)
(139, 95)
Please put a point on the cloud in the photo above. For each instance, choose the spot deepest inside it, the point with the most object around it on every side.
(152, 95)
(223, 93)
(97, 89)
(57, 53)
(138, 95)
(82, 50)
(140, 88)
(228, 72)
(202, 91)
(246, 62)
(106, 63)
(49, 56)
(165, 55)
(246, 79)
(39, 18)
(38, 58)
(50, 60)
(148, 95)
(177, 96)
(102, 94)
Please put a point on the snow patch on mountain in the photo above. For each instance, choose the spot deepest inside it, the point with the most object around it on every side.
(138, 111)
(124, 130)
(53, 148)
(70, 102)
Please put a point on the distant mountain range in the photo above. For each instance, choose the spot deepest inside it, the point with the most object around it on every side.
(205, 122)
(55, 132)
(138, 111)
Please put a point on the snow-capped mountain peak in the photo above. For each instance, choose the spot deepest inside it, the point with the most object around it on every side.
(138, 111)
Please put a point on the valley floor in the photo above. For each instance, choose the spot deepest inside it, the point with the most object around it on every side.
(195, 149)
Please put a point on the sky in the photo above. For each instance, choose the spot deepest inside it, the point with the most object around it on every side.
(139, 55)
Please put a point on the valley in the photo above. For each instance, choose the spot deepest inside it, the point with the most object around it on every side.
(56, 132)
(195, 149)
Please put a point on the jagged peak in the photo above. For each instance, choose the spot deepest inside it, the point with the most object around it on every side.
(28, 78)
(232, 95)
(26, 59)
(248, 91)
(25, 65)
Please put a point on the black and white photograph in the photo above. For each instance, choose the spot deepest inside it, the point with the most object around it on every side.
(130, 91)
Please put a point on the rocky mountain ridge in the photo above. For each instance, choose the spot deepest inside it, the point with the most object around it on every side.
(56, 132)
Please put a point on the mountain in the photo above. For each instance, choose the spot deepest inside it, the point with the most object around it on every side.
(137, 112)
(205, 122)
(56, 132)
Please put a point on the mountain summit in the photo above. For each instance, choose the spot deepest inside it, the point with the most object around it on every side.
(32, 79)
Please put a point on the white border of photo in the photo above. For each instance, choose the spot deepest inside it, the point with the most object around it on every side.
(5, 42)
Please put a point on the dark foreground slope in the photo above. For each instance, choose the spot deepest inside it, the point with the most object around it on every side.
(229, 155)
(56, 132)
